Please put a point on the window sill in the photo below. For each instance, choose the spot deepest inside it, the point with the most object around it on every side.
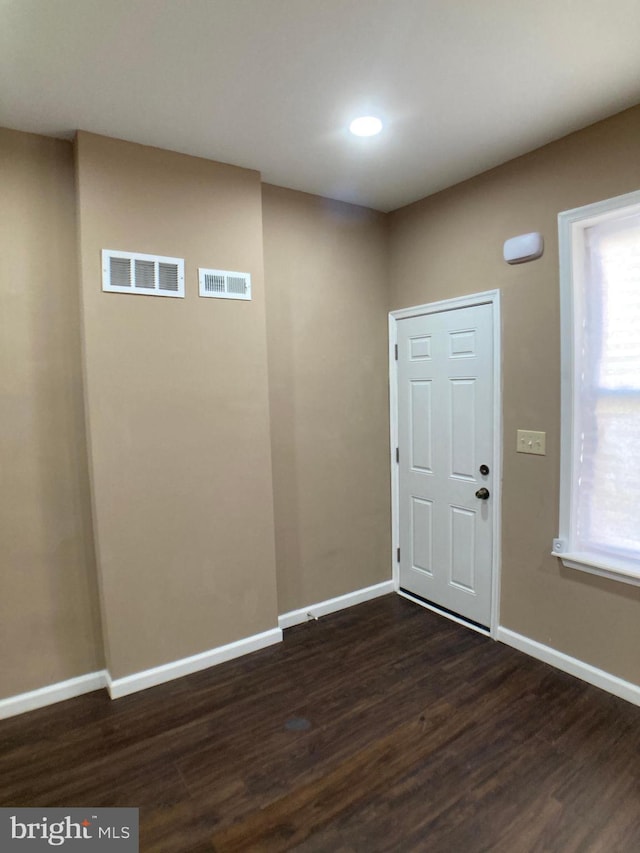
(612, 569)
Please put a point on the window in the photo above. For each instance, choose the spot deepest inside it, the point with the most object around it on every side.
(600, 473)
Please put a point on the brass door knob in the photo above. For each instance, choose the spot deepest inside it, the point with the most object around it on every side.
(482, 493)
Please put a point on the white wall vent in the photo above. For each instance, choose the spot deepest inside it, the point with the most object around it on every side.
(225, 284)
(132, 272)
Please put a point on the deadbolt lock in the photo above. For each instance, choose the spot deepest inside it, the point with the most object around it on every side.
(484, 469)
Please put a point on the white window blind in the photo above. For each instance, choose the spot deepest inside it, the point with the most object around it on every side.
(600, 499)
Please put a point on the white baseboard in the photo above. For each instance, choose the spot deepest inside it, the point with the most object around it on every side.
(177, 669)
(598, 677)
(51, 694)
(331, 605)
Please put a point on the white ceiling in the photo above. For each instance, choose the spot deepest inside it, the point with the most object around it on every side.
(462, 85)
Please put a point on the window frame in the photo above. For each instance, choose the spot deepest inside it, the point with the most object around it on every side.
(571, 236)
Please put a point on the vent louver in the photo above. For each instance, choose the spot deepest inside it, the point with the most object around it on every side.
(168, 277)
(225, 284)
(120, 269)
(133, 272)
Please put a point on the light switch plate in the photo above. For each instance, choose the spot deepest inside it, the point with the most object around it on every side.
(530, 441)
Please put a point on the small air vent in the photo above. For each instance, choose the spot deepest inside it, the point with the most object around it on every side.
(132, 272)
(225, 284)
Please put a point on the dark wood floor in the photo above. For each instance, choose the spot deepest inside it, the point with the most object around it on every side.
(422, 735)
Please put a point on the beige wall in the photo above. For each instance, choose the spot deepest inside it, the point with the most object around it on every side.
(178, 399)
(49, 624)
(326, 314)
(451, 244)
(177, 408)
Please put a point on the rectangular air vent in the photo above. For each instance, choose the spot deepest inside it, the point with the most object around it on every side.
(133, 272)
(225, 284)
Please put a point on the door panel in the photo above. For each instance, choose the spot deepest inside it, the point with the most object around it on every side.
(463, 427)
(445, 432)
(463, 539)
(421, 426)
(422, 535)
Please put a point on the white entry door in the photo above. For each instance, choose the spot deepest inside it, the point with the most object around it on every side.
(445, 455)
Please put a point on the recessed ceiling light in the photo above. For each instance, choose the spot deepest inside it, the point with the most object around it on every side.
(365, 126)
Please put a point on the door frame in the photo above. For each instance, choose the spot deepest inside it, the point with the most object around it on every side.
(491, 297)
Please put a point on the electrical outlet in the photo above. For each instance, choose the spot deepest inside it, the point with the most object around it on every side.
(530, 441)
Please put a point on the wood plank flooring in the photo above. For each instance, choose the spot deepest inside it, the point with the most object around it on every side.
(422, 736)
